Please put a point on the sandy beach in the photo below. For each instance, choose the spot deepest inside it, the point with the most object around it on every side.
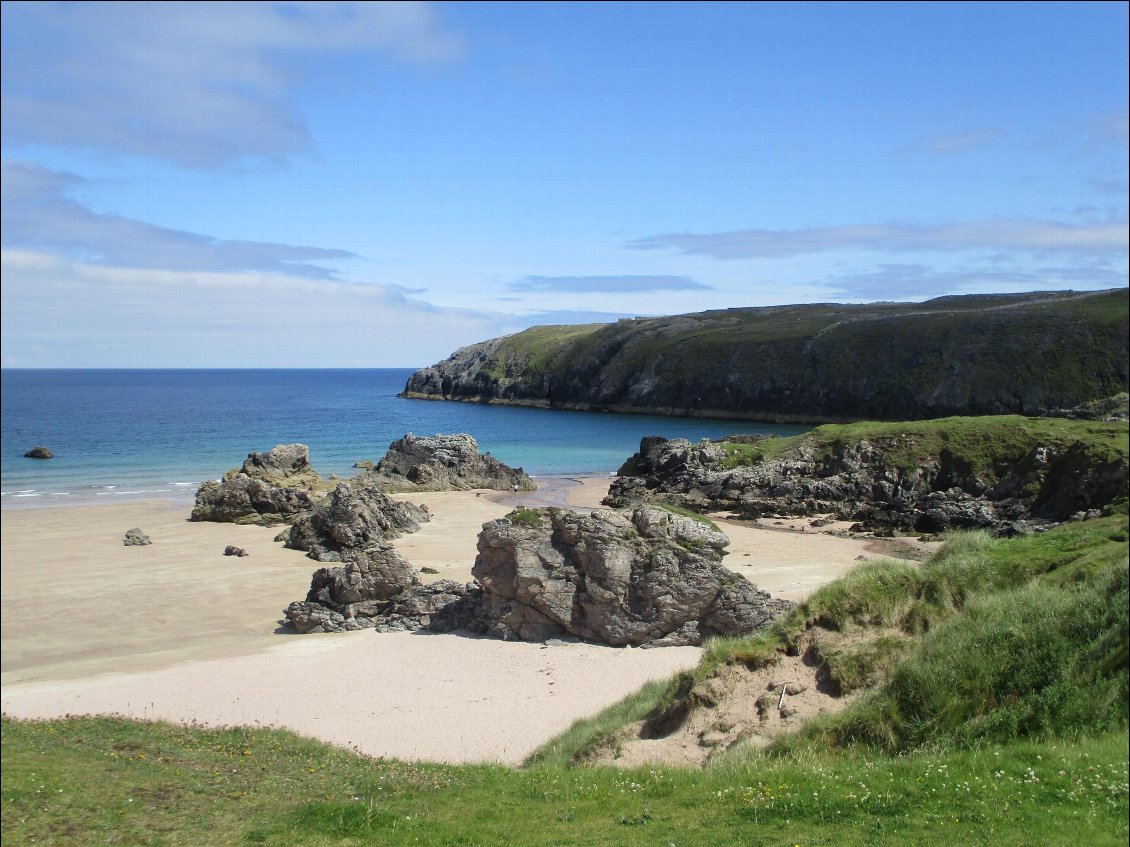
(178, 631)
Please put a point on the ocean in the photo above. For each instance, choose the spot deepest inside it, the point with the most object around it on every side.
(134, 433)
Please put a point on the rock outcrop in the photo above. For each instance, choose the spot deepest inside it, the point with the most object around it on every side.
(649, 578)
(352, 516)
(442, 463)
(350, 529)
(39, 452)
(971, 355)
(272, 487)
(891, 482)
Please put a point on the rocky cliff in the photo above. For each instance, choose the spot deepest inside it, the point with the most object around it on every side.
(974, 355)
(1004, 474)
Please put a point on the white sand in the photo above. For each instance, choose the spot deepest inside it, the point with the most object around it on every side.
(178, 631)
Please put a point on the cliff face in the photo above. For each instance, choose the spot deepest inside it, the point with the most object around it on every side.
(975, 355)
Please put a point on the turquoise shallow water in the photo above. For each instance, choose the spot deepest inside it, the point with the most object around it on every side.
(129, 433)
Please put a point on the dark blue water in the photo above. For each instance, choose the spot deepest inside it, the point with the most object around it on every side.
(118, 433)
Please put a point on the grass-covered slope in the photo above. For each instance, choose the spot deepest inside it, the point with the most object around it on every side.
(992, 641)
(950, 356)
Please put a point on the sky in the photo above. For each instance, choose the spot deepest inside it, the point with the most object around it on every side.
(336, 184)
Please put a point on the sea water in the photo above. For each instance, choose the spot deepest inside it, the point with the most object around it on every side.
(128, 433)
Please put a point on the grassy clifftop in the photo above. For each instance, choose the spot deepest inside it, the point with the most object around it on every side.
(983, 354)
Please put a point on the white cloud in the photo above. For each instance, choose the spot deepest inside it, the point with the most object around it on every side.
(38, 214)
(198, 84)
(61, 313)
(1004, 235)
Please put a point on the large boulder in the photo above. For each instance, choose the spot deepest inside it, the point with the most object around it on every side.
(443, 463)
(649, 577)
(270, 488)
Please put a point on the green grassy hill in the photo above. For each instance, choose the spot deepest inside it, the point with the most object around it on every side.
(974, 355)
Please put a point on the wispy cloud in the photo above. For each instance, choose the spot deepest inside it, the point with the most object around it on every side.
(918, 282)
(615, 284)
(1003, 235)
(199, 84)
(36, 212)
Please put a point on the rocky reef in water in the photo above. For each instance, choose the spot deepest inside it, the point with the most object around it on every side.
(972, 355)
(1002, 474)
(646, 577)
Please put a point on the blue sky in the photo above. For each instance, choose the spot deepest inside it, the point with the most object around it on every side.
(374, 185)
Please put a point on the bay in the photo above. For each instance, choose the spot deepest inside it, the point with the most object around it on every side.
(129, 433)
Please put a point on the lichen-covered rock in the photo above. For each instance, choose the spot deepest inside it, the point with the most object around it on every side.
(241, 499)
(283, 464)
(443, 463)
(136, 538)
(645, 577)
(270, 488)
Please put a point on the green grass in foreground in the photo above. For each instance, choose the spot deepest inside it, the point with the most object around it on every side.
(98, 781)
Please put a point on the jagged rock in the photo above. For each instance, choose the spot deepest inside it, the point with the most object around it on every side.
(857, 482)
(39, 452)
(353, 516)
(272, 487)
(443, 463)
(646, 577)
(352, 594)
(351, 528)
(442, 606)
(232, 550)
(136, 538)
